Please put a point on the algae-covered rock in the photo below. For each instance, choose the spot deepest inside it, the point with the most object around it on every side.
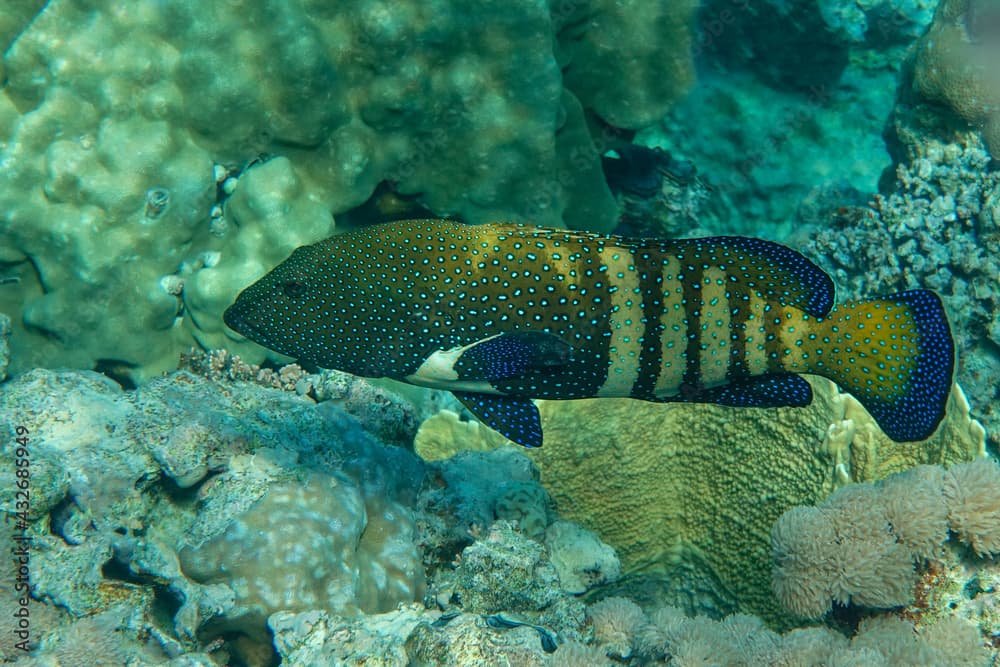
(687, 494)
(581, 559)
(505, 571)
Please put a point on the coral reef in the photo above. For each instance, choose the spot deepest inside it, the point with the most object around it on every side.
(110, 513)
(938, 227)
(687, 494)
(146, 504)
(392, 416)
(955, 64)
(143, 189)
(861, 545)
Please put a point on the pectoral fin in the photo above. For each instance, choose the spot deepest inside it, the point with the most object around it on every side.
(477, 367)
(514, 418)
(512, 355)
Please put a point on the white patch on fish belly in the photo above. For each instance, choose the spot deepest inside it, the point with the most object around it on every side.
(438, 372)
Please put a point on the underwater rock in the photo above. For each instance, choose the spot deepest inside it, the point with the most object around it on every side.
(252, 126)
(581, 559)
(390, 411)
(460, 498)
(317, 638)
(468, 640)
(123, 481)
(505, 571)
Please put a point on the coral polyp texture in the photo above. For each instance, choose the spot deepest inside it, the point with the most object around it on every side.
(687, 494)
(115, 193)
(864, 544)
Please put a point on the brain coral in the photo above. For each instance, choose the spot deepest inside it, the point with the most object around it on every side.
(687, 494)
(124, 244)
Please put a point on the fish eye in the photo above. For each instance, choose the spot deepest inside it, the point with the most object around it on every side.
(293, 288)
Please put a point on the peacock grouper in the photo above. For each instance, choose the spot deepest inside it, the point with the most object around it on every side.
(503, 313)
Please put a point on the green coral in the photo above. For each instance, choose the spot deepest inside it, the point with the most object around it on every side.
(111, 215)
(687, 494)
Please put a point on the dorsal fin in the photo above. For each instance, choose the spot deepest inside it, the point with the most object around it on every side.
(770, 269)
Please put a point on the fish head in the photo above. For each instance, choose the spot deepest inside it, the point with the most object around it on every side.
(292, 309)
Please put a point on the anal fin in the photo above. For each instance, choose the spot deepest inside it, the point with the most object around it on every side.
(512, 355)
(514, 418)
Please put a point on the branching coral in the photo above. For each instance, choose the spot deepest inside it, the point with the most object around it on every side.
(690, 515)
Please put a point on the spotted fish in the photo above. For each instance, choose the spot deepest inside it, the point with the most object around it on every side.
(500, 314)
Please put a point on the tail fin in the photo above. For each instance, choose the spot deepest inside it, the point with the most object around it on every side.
(895, 354)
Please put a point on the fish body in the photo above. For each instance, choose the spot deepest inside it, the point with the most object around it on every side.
(501, 314)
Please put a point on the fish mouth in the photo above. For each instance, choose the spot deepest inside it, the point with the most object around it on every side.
(236, 320)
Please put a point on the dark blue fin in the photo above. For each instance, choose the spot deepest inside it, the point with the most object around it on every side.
(767, 268)
(514, 418)
(901, 362)
(512, 355)
(775, 390)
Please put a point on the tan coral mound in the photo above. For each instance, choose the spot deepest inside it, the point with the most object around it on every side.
(687, 494)
(861, 545)
(955, 63)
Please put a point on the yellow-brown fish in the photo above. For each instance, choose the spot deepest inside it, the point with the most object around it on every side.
(500, 314)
